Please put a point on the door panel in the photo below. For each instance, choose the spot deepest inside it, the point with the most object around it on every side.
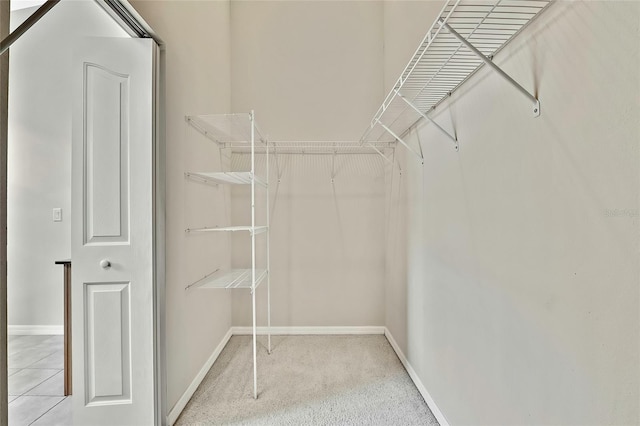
(112, 232)
(108, 331)
(106, 105)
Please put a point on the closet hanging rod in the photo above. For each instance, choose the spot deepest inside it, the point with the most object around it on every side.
(311, 147)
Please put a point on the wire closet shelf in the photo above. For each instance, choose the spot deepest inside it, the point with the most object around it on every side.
(227, 128)
(450, 52)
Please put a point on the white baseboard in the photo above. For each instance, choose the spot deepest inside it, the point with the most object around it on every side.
(416, 380)
(290, 331)
(186, 396)
(33, 330)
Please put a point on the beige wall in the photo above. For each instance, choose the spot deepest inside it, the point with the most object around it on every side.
(327, 242)
(196, 37)
(522, 256)
(313, 71)
(405, 25)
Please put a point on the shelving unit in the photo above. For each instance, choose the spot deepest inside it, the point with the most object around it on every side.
(465, 36)
(227, 130)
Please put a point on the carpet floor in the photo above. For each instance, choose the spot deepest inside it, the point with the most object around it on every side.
(308, 380)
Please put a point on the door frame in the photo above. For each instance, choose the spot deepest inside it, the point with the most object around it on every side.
(126, 16)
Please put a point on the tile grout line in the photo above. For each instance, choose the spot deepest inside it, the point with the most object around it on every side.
(34, 362)
(41, 383)
(15, 372)
(28, 367)
(43, 414)
(30, 389)
(41, 368)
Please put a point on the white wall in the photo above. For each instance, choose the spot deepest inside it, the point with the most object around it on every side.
(521, 288)
(327, 242)
(196, 37)
(39, 158)
(405, 25)
(313, 71)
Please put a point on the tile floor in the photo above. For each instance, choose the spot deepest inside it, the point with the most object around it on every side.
(36, 381)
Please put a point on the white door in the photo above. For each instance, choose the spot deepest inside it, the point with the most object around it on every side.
(112, 232)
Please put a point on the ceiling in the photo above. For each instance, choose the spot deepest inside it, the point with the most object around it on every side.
(23, 4)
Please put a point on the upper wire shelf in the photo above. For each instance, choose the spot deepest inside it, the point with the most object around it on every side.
(226, 128)
(442, 62)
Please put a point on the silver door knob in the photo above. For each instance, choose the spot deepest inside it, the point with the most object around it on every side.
(105, 264)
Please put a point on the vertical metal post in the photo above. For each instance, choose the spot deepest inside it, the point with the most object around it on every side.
(533, 99)
(253, 252)
(268, 261)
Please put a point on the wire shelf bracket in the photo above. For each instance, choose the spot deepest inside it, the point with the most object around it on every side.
(380, 153)
(489, 62)
(399, 139)
(426, 117)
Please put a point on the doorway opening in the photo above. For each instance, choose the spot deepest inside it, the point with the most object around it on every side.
(39, 205)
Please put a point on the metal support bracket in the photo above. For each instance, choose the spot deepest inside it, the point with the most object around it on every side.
(426, 117)
(525, 92)
(381, 154)
(201, 279)
(399, 139)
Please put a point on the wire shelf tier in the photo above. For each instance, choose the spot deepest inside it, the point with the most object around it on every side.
(234, 278)
(232, 178)
(226, 128)
(442, 62)
(251, 229)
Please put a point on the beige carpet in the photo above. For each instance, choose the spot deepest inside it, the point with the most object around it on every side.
(309, 380)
